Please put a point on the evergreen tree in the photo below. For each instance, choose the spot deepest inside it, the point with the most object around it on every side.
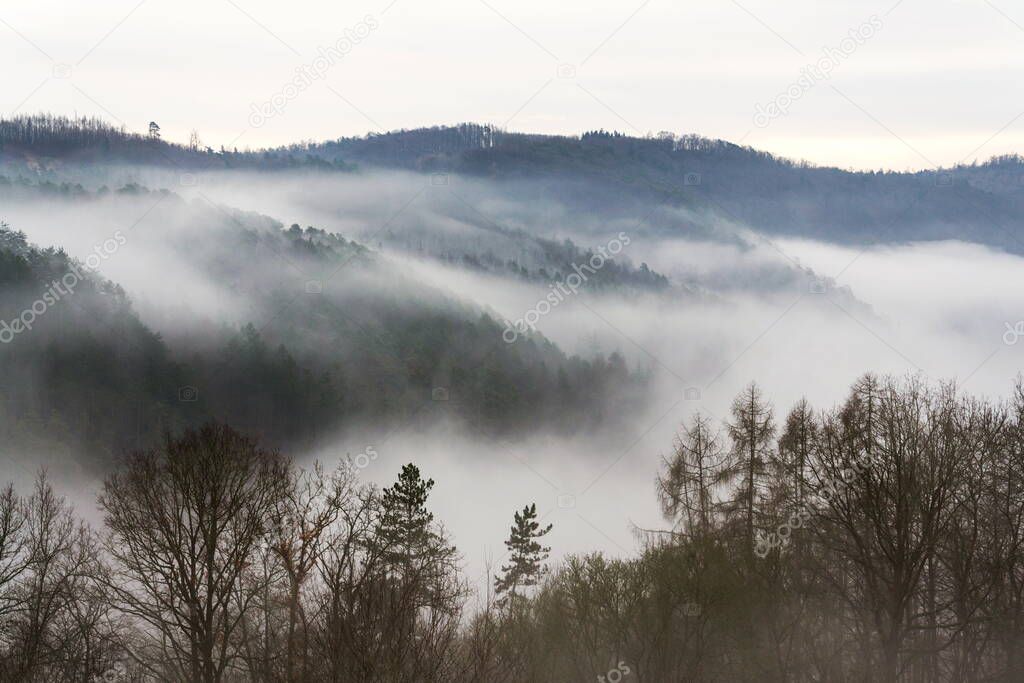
(405, 533)
(526, 564)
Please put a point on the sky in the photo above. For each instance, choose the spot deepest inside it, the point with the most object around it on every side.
(921, 83)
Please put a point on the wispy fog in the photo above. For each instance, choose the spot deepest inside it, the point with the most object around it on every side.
(941, 308)
(738, 309)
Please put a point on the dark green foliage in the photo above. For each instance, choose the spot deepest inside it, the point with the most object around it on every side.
(374, 344)
(552, 263)
(526, 555)
(88, 373)
(407, 537)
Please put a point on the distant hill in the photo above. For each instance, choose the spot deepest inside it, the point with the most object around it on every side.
(45, 144)
(981, 203)
(602, 170)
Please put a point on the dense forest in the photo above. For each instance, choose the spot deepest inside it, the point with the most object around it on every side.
(601, 170)
(333, 335)
(879, 540)
(43, 143)
(976, 202)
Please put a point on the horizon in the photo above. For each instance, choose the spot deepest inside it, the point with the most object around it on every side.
(183, 143)
(862, 87)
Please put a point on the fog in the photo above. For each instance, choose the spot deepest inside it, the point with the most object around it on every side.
(739, 309)
(942, 310)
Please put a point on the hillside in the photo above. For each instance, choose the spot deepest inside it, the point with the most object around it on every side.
(978, 203)
(599, 171)
(323, 332)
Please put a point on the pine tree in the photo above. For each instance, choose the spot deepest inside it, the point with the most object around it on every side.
(405, 531)
(412, 588)
(526, 564)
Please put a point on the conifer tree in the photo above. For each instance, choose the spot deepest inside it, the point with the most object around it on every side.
(405, 530)
(752, 431)
(527, 555)
(794, 455)
(696, 468)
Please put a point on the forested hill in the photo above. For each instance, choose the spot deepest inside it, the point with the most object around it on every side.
(982, 203)
(319, 333)
(46, 145)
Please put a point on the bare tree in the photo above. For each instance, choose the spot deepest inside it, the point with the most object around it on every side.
(311, 506)
(184, 526)
(221, 562)
(392, 599)
(14, 557)
(57, 567)
(890, 461)
(751, 432)
(795, 453)
(691, 476)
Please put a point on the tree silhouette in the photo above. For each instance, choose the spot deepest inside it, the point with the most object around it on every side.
(696, 468)
(405, 530)
(752, 431)
(526, 564)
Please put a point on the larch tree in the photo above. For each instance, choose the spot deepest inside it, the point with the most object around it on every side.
(752, 431)
(697, 466)
(795, 453)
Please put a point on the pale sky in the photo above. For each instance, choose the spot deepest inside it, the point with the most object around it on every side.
(936, 82)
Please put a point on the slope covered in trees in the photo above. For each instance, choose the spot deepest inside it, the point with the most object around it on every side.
(45, 144)
(61, 330)
(772, 194)
(602, 171)
(322, 333)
